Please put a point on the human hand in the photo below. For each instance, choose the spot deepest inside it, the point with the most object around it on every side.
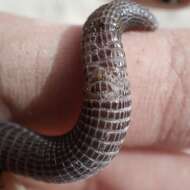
(41, 80)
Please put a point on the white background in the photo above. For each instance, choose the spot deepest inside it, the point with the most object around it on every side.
(76, 11)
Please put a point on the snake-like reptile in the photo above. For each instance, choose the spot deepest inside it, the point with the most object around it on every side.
(105, 114)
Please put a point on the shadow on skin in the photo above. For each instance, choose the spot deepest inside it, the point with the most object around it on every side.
(60, 98)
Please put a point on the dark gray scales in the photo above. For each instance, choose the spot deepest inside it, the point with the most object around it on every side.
(105, 113)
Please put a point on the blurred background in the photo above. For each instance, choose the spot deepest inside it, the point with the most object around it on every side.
(75, 12)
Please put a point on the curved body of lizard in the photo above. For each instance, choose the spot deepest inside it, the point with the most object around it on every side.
(105, 112)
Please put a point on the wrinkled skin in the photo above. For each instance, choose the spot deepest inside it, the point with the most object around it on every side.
(159, 73)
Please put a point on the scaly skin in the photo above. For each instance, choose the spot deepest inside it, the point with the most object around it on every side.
(105, 113)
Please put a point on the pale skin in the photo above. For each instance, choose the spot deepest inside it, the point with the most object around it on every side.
(40, 87)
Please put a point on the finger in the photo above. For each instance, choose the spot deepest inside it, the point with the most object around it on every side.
(13, 182)
(159, 73)
(146, 170)
(41, 80)
(134, 170)
(40, 67)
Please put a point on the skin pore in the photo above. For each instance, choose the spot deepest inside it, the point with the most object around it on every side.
(40, 87)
